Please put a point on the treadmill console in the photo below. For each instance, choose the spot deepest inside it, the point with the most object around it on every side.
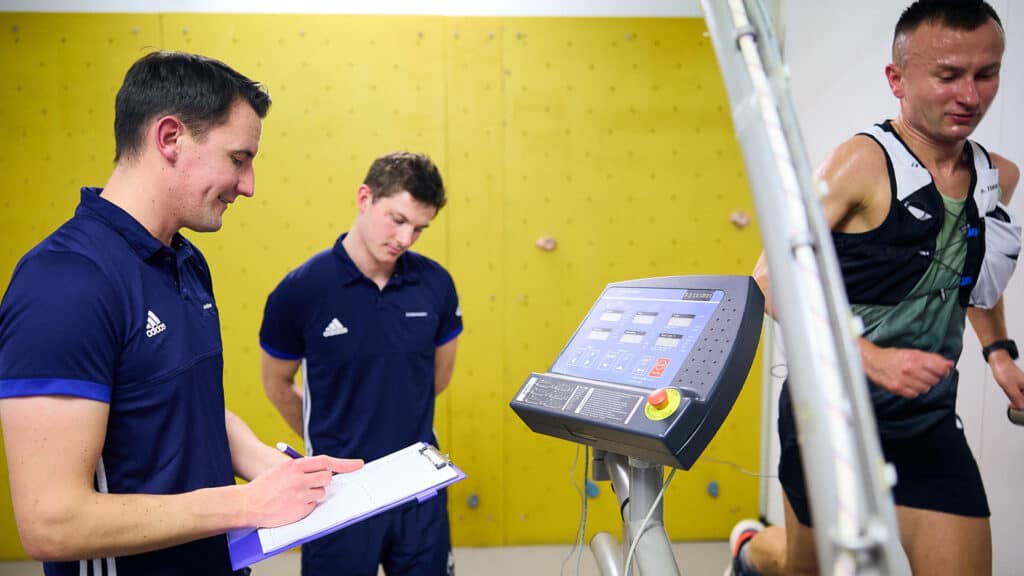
(653, 370)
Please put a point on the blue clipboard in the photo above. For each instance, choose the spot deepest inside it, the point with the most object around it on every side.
(246, 547)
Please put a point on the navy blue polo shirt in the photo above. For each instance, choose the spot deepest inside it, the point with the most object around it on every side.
(367, 353)
(104, 311)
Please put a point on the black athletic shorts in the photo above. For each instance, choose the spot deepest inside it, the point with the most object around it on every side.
(935, 470)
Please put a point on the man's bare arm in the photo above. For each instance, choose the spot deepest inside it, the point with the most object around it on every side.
(444, 366)
(249, 456)
(280, 387)
(848, 199)
(54, 444)
(990, 324)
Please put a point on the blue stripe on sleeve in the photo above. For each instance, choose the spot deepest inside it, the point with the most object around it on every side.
(449, 337)
(278, 354)
(54, 387)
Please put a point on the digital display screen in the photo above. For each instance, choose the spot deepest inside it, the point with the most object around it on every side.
(638, 336)
(680, 320)
(647, 318)
(668, 340)
(611, 316)
(699, 295)
(632, 337)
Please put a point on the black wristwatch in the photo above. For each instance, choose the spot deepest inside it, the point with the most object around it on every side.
(1008, 345)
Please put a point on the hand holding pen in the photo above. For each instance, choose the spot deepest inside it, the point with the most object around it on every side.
(287, 450)
(291, 489)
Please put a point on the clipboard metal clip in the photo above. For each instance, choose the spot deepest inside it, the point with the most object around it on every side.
(435, 456)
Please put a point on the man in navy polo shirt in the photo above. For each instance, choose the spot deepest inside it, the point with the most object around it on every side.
(120, 451)
(374, 327)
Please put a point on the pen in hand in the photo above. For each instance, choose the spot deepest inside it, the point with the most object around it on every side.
(346, 465)
(295, 455)
(284, 447)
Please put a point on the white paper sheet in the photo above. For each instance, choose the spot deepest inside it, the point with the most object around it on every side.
(378, 484)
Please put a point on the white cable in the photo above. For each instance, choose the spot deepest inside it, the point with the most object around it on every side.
(643, 525)
(578, 545)
(739, 468)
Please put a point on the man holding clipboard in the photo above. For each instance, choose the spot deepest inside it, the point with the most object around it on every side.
(121, 454)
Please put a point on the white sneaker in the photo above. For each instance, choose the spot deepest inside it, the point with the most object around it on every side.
(741, 533)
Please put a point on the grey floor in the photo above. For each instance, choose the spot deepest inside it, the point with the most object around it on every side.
(693, 558)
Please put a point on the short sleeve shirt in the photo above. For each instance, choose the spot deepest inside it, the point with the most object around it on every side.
(367, 354)
(103, 311)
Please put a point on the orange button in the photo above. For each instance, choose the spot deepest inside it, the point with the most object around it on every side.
(658, 398)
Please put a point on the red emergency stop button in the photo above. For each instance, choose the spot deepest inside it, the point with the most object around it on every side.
(658, 398)
(662, 403)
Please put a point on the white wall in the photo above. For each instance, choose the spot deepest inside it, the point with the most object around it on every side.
(836, 51)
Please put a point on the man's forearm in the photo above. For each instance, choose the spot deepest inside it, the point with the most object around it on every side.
(250, 456)
(101, 525)
(989, 325)
(286, 396)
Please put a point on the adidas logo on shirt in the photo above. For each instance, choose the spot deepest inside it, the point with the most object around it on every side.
(335, 328)
(153, 325)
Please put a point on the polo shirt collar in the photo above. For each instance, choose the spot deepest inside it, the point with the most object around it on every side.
(141, 241)
(403, 273)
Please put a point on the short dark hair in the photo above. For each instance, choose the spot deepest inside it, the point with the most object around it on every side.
(199, 90)
(956, 14)
(406, 172)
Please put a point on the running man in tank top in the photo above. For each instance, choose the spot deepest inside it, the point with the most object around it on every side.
(908, 202)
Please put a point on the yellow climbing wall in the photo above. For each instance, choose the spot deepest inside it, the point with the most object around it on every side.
(610, 135)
